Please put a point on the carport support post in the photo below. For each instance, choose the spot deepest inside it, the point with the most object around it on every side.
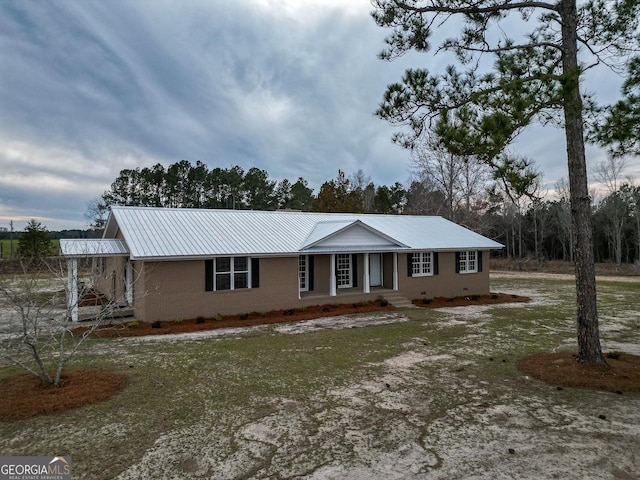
(366, 267)
(72, 288)
(129, 282)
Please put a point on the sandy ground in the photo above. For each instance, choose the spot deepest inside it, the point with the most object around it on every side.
(397, 423)
(562, 276)
(421, 414)
(389, 427)
(325, 323)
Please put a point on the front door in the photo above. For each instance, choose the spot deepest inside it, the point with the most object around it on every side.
(375, 269)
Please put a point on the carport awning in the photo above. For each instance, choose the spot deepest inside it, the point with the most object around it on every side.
(93, 247)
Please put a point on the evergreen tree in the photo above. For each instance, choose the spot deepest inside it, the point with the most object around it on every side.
(533, 78)
(34, 244)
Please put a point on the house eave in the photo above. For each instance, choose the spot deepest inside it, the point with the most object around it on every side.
(310, 251)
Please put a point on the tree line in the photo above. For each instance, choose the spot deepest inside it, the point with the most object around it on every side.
(460, 188)
(185, 185)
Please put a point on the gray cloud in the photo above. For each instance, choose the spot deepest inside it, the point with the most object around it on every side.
(89, 88)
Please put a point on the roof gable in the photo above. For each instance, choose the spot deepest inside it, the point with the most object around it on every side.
(345, 233)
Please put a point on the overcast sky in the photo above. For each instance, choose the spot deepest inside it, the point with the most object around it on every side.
(88, 88)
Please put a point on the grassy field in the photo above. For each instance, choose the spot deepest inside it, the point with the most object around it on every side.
(5, 247)
(436, 395)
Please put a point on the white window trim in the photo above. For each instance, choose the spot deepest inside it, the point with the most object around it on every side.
(421, 262)
(463, 264)
(303, 273)
(348, 271)
(231, 273)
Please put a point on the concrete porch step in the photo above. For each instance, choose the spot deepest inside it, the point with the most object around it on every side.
(398, 300)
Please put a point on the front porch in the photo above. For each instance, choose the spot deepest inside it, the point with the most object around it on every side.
(99, 250)
(347, 274)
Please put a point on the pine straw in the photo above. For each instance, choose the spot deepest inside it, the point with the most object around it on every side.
(142, 328)
(562, 369)
(466, 300)
(24, 396)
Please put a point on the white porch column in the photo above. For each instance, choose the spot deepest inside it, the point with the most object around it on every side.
(366, 288)
(72, 288)
(395, 270)
(332, 276)
(128, 286)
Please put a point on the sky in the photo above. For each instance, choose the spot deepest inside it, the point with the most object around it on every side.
(88, 88)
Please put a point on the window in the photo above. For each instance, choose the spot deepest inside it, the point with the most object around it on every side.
(467, 261)
(240, 272)
(422, 264)
(231, 273)
(343, 270)
(302, 273)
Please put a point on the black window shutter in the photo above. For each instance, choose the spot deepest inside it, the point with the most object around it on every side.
(435, 263)
(479, 261)
(354, 269)
(310, 272)
(409, 264)
(457, 262)
(208, 275)
(255, 272)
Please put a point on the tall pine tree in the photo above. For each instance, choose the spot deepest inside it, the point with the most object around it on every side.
(503, 84)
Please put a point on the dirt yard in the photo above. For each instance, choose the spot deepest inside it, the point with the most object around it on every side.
(429, 393)
(201, 324)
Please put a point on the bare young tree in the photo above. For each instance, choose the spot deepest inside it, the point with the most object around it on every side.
(363, 186)
(609, 173)
(632, 191)
(462, 180)
(541, 217)
(563, 218)
(35, 316)
(518, 197)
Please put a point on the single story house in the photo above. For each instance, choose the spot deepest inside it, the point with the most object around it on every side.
(170, 263)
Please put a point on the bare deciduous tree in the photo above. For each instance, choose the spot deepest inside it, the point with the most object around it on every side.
(35, 314)
(462, 180)
(608, 173)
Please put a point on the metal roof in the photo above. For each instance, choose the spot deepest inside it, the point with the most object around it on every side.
(93, 247)
(173, 233)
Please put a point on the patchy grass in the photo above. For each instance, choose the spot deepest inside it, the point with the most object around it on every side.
(438, 396)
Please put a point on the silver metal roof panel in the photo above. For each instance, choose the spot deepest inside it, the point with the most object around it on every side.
(93, 247)
(191, 233)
